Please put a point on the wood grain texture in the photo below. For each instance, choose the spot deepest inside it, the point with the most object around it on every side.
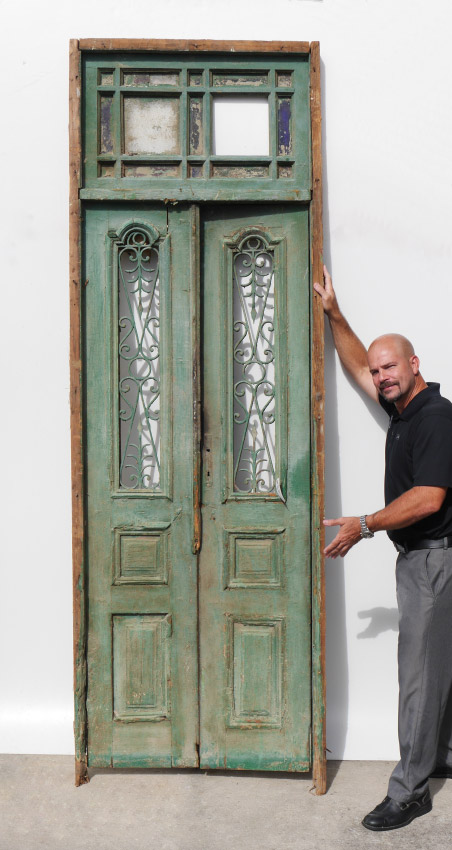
(81, 773)
(200, 45)
(196, 355)
(318, 395)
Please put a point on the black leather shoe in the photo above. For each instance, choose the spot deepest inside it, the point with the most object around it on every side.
(392, 815)
(442, 773)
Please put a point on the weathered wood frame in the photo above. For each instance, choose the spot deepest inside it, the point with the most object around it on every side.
(76, 373)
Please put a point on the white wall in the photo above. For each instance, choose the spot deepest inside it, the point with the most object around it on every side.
(388, 179)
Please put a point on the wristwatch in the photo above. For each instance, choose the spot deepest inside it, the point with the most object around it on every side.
(365, 532)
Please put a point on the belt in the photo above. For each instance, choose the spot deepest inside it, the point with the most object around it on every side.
(424, 543)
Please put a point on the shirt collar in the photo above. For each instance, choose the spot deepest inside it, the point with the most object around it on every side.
(431, 390)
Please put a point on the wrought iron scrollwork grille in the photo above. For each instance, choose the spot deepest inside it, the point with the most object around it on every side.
(254, 367)
(139, 360)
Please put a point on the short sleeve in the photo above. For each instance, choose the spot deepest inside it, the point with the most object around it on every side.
(432, 452)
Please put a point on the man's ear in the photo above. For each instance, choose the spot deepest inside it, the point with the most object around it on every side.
(415, 363)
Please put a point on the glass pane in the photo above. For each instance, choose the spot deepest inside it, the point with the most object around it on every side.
(151, 78)
(106, 169)
(195, 125)
(239, 78)
(151, 169)
(240, 126)
(195, 170)
(106, 123)
(195, 78)
(284, 79)
(285, 170)
(254, 367)
(238, 171)
(284, 128)
(139, 361)
(151, 125)
(106, 78)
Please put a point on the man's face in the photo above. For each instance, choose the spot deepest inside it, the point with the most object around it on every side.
(393, 372)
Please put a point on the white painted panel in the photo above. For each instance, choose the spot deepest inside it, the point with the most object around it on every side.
(151, 125)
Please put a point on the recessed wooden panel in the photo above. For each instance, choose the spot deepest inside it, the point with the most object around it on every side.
(253, 558)
(141, 667)
(256, 661)
(141, 557)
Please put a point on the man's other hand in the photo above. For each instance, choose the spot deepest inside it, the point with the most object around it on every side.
(327, 293)
(349, 534)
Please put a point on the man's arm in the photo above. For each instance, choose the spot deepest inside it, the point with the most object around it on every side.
(410, 507)
(350, 349)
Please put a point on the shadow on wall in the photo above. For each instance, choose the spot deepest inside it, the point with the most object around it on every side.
(336, 640)
(381, 619)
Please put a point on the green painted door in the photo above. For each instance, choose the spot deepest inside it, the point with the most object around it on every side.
(142, 581)
(254, 569)
(198, 659)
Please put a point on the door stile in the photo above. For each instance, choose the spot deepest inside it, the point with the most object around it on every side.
(195, 289)
(195, 271)
(75, 284)
(317, 441)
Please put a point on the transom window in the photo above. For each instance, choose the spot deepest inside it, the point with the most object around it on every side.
(196, 125)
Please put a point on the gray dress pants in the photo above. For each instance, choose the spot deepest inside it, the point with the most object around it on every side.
(424, 597)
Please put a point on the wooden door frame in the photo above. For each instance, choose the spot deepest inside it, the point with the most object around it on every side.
(77, 47)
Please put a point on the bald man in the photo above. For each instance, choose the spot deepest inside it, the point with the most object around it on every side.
(418, 520)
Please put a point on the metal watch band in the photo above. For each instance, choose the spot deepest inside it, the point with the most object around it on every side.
(365, 532)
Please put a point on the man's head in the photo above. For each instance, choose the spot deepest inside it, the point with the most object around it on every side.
(395, 369)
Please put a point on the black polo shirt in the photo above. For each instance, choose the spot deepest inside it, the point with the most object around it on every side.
(419, 454)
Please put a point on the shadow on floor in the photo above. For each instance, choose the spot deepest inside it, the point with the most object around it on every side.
(333, 768)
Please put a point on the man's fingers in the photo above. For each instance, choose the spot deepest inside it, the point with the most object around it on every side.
(335, 551)
(319, 288)
(327, 277)
(333, 521)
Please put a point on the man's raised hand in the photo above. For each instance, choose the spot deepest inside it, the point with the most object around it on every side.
(327, 293)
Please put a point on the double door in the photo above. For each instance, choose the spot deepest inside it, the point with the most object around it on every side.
(197, 406)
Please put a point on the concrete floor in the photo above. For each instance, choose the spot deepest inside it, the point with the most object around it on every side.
(188, 810)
